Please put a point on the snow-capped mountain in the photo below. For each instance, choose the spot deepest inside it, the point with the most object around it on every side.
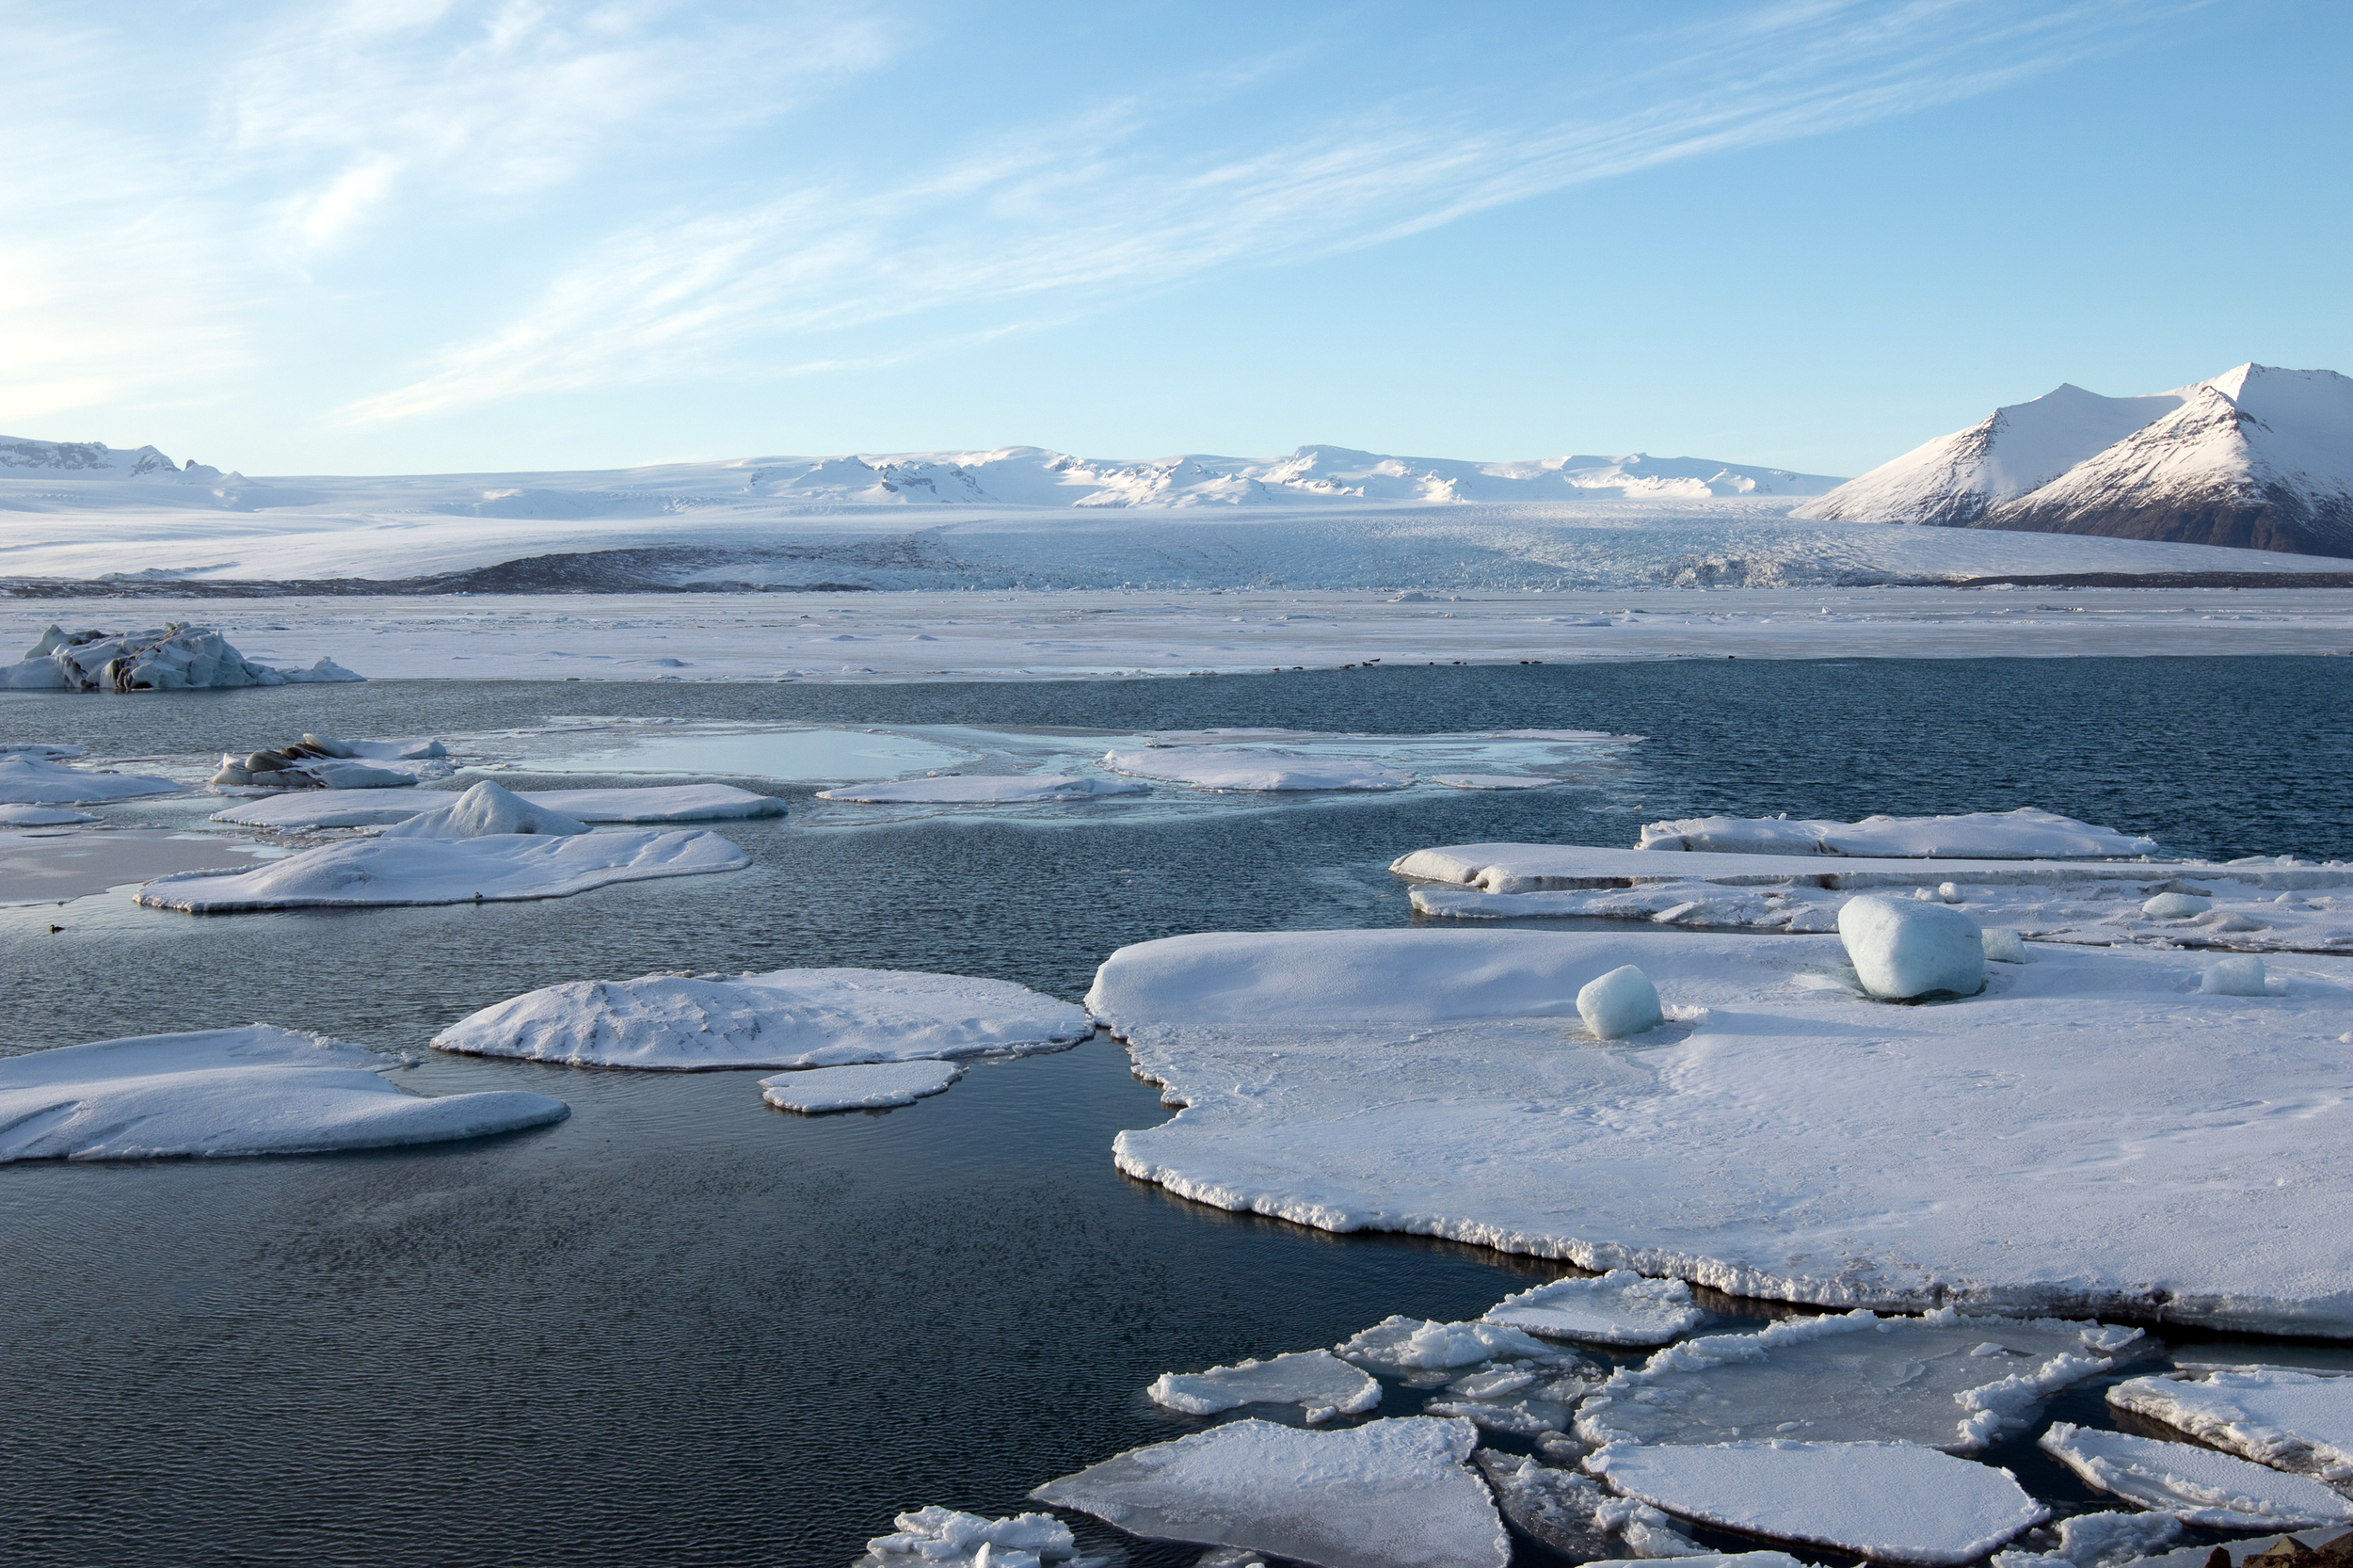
(27, 460)
(2255, 459)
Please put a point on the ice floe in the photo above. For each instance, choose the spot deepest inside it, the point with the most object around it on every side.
(1400, 1344)
(1321, 1384)
(485, 811)
(1893, 1502)
(1578, 1517)
(1904, 948)
(256, 1090)
(1239, 768)
(496, 869)
(869, 1086)
(13, 815)
(26, 779)
(2107, 1540)
(936, 1537)
(781, 1018)
(1390, 1494)
(1620, 1307)
(310, 810)
(983, 789)
(2196, 1485)
(2276, 1415)
(2049, 1145)
(1944, 1381)
(2026, 834)
(1488, 1373)
(175, 657)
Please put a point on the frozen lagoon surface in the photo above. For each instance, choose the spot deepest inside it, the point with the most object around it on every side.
(347, 1323)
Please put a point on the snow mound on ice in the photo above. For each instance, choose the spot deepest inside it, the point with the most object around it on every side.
(494, 870)
(949, 1539)
(980, 788)
(1893, 1502)
(1576, 1516)
(2198, 1486)
(172, 658)
(1317, 1381)
(782, 1019)
(2274, 1415)
(485, 811)
(27, 780)
(307, 811)
(41, 816)
(1234, 768)
(869, 1086)
(657, 803)
(1943, 1382)
(1620, 1307)
(1904, 948)
(1307, 978)
(1390, 1494)
(2100, 1541)
(256, 1090)
(2026, 834)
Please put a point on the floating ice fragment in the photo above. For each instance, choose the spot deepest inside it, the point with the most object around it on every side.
(2239, 975)
(1619, 1308)
(175, 657)
(1622, 1002)
(485, 811)
(2175, 906)
(1413, 1344)
(492, 870)
(872, 1086)
(2004, 946)
(978, 788)
(1577, 1516)
(1893, 1502)
(2276, 1415)
(2107, 1540)
(2196, 1485)
(27, 780)
(1903, 949)
(1390, 1494)
(1223, 768)
(1310, 1379)
(949, 1538)
(1494, 781)
(2024, 833)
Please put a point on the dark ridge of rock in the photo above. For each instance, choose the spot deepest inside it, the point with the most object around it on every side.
(2272, 518)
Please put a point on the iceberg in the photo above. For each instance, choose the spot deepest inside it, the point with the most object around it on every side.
(2026, 834)
(1893, 1502)
(781, 1018)
(2275, 1416)
(1390, 1494)
(250, 1091)
(983, 789)
(1904, 948)
(176, 657)
(1318, 1382)
(2198, 1486)
(873, 1086)
(1620, 1307)
(1942, 1381)
(497, 869)
(1241, 768)
(27, 780)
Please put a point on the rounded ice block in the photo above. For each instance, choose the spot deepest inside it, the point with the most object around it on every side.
(1904, 948)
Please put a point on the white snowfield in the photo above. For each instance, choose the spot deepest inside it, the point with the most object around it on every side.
(1241, 768)
(172, 658)
(256, 1090)
(1944, 1381)
(1318, 1382)
(783, 1018)
(498, 868)
(1620, 1307)
(27, 780)
(311, 810)
(2196, 1485)
(1893, 1502)
(1390, 1494)
(981, 789)
(869, 1086)
(2023, 834)
(2051, 1146)
(2276, 1415)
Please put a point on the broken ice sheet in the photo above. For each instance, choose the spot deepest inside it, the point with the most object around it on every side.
(2198, 1486)
(1620, 1307)
(1944, 1381)
(2106, 1539)
(1322, 1385)
(1576, 1515)
(936, 1537)
(2276, 1415)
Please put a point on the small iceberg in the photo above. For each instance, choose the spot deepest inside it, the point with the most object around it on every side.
(872, 1086)
(214, 1093)
(172, 658)
(27, 780)
(1619, 1308)
(2198, 1486)
(1318, 1382)
(984, 788)
(1236, 768)
(324, 762)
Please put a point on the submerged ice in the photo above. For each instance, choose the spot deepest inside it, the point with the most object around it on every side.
(26, 779)
(868, 1086)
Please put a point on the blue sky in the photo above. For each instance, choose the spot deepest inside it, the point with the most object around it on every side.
(410, 235)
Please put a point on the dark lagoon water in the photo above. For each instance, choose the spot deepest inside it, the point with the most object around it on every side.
(682, 1327)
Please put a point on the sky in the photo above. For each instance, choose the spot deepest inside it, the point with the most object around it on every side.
(441, 236)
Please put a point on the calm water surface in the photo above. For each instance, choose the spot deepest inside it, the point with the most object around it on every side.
(681, 1327)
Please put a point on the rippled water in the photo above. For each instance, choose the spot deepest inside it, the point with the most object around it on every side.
(683, 1327)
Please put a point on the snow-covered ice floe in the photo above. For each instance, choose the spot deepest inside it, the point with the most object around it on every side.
(485, 811)
(936, 1537)
(2047, 1146)
(782, 1019)
(26, 779)
(1893, 1502)
(1576, 1516)
(175, 657)
(1247, 768)
(13, 815)
(1620, 1307)
(2106, 1539)
(310, 810)
(1318, 1382)
(1944, 1381)
(2024, 833)
(869, 1086)
(982, 788)
(1488, 1373)
(2196, 1485)
(1390, 1494)
(2276, 1415)
(256, 1090)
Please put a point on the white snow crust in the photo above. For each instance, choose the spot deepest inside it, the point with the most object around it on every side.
(782, 1019)
(970, 789)
(1317, 1381)
(256, 1090)
(27, 780)
(1227, 768)
(1620, 1307)
(2276, 1415)
(2045, 1147)
(2198, 1486)
(868, 1087)
(1894, 1502)
(2024, 833)
(497, 869)
(1390, 1494)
